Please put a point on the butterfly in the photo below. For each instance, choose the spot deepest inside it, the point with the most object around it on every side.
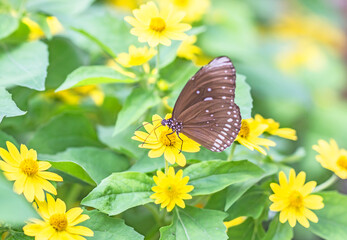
(205, 110)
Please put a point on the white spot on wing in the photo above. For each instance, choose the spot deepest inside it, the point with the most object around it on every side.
(228, 125)
(197, 92)
(209, 89)
(219, 141)
(208, 99)
(230, 120)
(221, 136)
(217, 145)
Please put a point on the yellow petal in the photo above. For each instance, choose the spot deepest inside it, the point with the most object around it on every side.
(80, 230)
(155, 153)
(50, 176)
(169, 155)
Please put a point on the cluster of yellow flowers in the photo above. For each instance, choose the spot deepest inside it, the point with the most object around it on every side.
(31, 179)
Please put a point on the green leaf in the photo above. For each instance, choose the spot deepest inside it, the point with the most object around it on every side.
(235, 191)
(119, 192)
(255, 197)
(58, 7)
(24, 65)
(64, 131)
(18, 236)
(105, 227)
(212, 176)
(14, 208)
(97, 41)
(8, 24)
(8, 107)
(97, 163)
(193, 223)
(332, 219)
(168, 54)
(279, 231)
(5, 137)
(64, 57)
(136, 104)
(243, 97)
(87, 75)
(41, 20)
(248, 230)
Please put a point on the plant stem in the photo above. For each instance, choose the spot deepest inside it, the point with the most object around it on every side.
(232, 150)
(154, 212)
(158, 62)
(333, 179)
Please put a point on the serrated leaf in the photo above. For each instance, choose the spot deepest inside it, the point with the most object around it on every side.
(88, 75)
(24, 65)
(243, 97)
(64, 131)
(8, 107)
(119, 192)
(235, 191)
(332, 219)
(94, 162)
(136, 104)
(11, 204)
(8, 24)
(105, 227)
(212, 176)
(279, 231)
(194, 223)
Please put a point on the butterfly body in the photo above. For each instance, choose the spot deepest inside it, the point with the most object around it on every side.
(205, 110)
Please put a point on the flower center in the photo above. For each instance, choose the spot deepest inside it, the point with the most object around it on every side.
(244, 131)
(29, 167)
(181, 3)
(168, 139)
(157, 24)
(296, 200)
(342, 162)
(171, 192)
(58, 221)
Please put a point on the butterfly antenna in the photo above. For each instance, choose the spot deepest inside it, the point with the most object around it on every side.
(142, 125)
(155, 128)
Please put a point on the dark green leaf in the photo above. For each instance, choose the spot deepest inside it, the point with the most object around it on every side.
(87, 75)
(212, 176)
(119, 192)
(24, 65)
(137, 103)
(279, 231)
(95, 162)
(194, 223)
(64, 131)
(8, 107)
(105, 227)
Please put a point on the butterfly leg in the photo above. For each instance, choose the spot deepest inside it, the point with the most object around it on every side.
(178, 135)
(155, 128)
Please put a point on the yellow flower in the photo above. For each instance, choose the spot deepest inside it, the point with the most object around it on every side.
(35, 30)
(249, 135)
(29, 174)
(235, 222)
(74, 96)
(136, 56)
(194, 9)
(161, 141)
(57, 223)
(274, 128)
(171, 189)
(293, 200)
(188, 50)
(157, 27)
(331, 157)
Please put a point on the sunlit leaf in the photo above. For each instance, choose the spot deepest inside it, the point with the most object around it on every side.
(8, 24)
(8, 107)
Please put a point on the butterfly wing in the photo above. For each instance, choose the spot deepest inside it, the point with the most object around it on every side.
(206, 106)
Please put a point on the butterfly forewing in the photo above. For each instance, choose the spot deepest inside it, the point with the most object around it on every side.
(206, 106)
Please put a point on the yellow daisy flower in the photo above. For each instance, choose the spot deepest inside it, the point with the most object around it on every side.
(293, 200)
(249, 136)
(136, 56)
(274, 128)
(332, 158)
(235, 222)
(160, 140)
(171, 189)
(194, 9)
(35, 30)
(29, 174)
(157, 27)
(57, 223)
(188, 50)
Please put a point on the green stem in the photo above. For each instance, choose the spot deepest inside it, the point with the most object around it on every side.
(154, 212)
(333, 179)
(232, 150)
